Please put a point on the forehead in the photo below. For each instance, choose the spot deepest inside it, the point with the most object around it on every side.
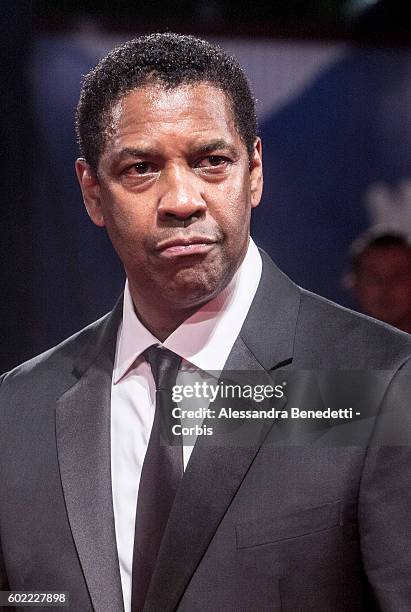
(386, 257)
(186, 112)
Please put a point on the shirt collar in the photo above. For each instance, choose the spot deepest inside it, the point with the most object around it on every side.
(206, 338)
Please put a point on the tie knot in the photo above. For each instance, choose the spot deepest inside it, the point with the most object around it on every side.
(164, 366)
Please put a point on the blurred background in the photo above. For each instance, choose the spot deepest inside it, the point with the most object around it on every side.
(332, 80)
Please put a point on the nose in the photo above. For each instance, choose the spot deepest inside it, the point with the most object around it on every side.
(181, 198)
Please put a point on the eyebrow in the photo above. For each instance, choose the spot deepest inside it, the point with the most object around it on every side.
(204, 149)
(214, 145)
(135, 152)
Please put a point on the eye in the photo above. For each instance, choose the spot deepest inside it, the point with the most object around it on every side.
(141, 168)
(213, 161)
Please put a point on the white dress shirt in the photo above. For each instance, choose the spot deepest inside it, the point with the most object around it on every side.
(204, 341)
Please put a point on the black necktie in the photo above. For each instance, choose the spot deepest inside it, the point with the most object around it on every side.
(161, 474)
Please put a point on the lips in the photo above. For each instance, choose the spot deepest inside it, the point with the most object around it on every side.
(193, 245)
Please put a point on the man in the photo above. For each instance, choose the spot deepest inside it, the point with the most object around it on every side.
(171, 167)
(381, 276)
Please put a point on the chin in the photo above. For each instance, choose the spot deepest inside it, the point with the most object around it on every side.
(192, 293)
(192, 297)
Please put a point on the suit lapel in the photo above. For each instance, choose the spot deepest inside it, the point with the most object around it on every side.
(271, 324)
(266, 342)
(83, 444)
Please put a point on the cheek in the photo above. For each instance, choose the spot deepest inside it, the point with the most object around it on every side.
(367, 295)
(233, 211)
(127, 230)
(402, 294)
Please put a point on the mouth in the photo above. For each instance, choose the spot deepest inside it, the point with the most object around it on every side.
(183, 247)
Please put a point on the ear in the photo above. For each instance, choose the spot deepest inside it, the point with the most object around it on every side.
(90, 189)
(256, 174)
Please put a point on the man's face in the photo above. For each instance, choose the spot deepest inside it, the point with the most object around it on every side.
(383, 284)
(175, 188)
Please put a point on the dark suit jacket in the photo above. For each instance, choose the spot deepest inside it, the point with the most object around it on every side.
(279, 527)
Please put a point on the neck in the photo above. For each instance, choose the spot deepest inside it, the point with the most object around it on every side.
(161, 322)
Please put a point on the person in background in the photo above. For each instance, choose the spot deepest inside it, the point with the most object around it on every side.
(380, 277)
